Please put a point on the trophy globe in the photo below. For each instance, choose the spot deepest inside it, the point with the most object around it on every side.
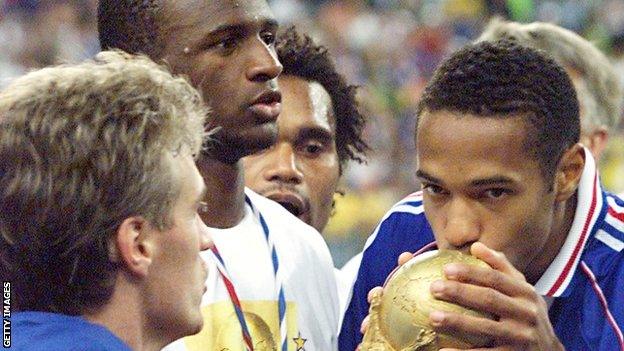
(399, 318)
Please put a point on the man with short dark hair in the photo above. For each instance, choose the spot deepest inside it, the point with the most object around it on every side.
(505, 178)
(597, 83)
(99, 206)
(275, 281)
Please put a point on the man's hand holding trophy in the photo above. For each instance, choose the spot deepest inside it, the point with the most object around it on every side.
(449, 300)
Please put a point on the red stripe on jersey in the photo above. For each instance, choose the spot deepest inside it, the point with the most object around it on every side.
(618, 215)
(605, 306)
(579, 244)
(427, 247)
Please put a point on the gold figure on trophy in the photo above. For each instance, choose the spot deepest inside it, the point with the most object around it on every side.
(399, 317)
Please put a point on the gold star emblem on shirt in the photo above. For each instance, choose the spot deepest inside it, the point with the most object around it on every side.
(299, 342)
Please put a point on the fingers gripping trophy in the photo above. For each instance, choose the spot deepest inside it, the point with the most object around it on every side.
(399, 317)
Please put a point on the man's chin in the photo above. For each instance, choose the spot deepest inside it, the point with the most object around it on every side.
(197, 326)
(229, 147)
(256, 140)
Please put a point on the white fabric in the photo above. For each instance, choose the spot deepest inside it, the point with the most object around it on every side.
(610, 240)
(345, 277)
(559, 274)
(309, 285)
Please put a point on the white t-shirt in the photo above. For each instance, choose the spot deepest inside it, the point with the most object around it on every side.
(345, 277)
(308, 279)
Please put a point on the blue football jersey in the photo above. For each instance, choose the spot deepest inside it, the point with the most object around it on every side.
(34, 331)
(586, 278)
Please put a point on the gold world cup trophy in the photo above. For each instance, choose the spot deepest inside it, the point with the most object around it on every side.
(399, 318)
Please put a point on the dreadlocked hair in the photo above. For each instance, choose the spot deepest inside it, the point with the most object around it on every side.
(301, 57)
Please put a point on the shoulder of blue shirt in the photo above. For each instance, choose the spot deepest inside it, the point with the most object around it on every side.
(405, 228)
(35, 331)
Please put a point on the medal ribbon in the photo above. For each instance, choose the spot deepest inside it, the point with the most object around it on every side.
(279, 288)
(233, 297)
(427, 247)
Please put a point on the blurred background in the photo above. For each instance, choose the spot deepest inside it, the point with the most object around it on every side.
(388, 47)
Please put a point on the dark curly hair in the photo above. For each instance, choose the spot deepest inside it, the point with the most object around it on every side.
(301, 57)
(130, 25)
(503, 80)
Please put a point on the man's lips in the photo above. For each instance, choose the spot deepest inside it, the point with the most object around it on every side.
(292, 202)
(267, 106)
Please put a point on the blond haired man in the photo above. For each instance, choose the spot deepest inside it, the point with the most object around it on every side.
(269, 266)
(99, 200)
(595, 80)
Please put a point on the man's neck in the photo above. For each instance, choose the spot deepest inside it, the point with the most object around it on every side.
(225, 197)
(562, 224)
(123, 317)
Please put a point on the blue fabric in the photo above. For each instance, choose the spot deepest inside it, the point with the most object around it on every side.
(579, 319)
(398, 233)
(34, 331)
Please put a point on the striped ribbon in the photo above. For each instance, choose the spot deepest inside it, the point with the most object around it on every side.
(233, 297)
(427, 247)
(279, 288)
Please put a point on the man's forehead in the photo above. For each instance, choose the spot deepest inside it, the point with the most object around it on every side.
(216, 13)
(465, 127)
(322, 104)
(474, 145)
(306, 104)
(186, 174)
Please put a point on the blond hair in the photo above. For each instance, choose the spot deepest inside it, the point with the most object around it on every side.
(600, 91)
(82, 147)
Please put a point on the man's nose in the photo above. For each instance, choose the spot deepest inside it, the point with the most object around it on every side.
(282, 165)
(205, 239)
(263, 63)
(462, 224)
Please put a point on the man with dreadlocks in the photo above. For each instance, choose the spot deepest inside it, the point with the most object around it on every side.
(273, 284)
(320, 132)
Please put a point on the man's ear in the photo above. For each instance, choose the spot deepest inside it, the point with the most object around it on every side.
(596, 141)
(135, 249)
(569, 172)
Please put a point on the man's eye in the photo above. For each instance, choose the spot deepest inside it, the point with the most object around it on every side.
(203, 207)
(263, 151)
(433, 189)
(496, 193)
(227, 44)
(313, 148)
(268, 38)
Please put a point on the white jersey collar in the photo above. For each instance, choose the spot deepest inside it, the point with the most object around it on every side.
(558, 275)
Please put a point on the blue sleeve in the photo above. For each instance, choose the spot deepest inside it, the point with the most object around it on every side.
(399, 233)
